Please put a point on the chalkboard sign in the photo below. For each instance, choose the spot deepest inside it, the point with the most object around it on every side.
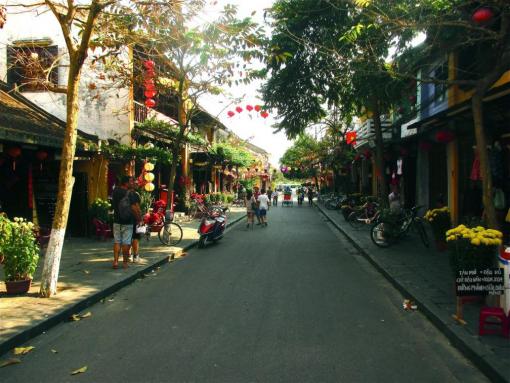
(480, 282)
(45, 192)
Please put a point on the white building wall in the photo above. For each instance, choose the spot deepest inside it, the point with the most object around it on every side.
(104, 106)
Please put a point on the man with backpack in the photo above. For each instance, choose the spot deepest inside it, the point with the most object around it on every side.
(126, 213)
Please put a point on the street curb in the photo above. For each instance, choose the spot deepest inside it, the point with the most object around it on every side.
(64, 315)
(465, 345)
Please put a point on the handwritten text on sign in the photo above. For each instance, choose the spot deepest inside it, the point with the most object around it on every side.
(480, 282)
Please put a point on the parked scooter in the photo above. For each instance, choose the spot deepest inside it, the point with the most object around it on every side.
(212, 226)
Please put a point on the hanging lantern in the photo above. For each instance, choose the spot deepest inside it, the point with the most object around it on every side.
(264, 114)
(289, 168)
(149, 83)
(230, 113)
(41, 155)
(14, 152)
(482, 15)
(350, 138)
(150, 93)
(444, 136)
(150, 73)
(249, 108)
(239, 109)
(150, 103)
(149, 177)
(148, 167)
(258, 108)
(149, 187)
(149, 64)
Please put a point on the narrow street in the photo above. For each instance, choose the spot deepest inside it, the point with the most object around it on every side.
(292, 302)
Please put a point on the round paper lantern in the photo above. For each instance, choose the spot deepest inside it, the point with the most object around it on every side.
(14, 152)
(150, 103)
(231, 114)
(239, 109)
(249, 108)
(150, 93)
(148, 167)
(149, 177)
(150, 73)
(41, 155)
(149, 64)
(482, 15)
(444, 136)
(258, 108)
(148, 83)
(149, 187)
(149, 145)
(264, 114)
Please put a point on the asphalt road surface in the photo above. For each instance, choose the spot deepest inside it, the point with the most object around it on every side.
(292, 302)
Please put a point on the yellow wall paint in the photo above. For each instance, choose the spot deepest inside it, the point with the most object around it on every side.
(97, 170)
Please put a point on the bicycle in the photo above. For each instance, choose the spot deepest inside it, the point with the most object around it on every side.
(365, 215)
(384, 232)
(161, 221)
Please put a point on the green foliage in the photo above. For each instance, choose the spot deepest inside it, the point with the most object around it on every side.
(248, 183)
(165, 130)
(223, 152)
(146, 200)
(100, 209)
(127, 153)
(19, 248)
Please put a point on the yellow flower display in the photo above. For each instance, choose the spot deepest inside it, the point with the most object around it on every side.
(478, 236)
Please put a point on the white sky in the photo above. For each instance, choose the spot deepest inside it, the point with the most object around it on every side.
(255, 129)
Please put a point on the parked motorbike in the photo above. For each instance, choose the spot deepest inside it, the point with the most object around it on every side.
(212, 226)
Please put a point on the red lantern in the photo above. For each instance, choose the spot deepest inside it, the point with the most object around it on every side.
(149, 64)
(231, 114)
(350, 138)
(249, 108)
(41, 155)
(239, 109)
(14, 152)
(148, 83)
(258, 108)
(150, 73)
(482, 15)
(264, 114)
(444, 136)
(150, 103)
(150, 93)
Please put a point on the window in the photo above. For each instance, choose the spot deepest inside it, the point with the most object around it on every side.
(30, 67)
(441, 74)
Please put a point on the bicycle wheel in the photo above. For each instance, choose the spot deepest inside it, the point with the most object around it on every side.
(354, 219)
(422, 232)
(170, 234)
(377, 235)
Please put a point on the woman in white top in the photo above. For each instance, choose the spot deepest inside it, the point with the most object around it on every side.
(250, 202)
(263, 201)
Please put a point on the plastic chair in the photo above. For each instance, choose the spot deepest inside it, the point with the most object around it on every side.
(486, 326)
(103, 230)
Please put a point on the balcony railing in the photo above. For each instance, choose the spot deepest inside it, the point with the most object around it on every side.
(143, 113)
(366, 132)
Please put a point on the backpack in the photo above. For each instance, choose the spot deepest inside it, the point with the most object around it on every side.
(125, 212)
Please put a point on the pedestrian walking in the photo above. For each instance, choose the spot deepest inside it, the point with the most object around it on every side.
(256, 193)
(126, 212)
(251, 205)
(263, 201)
(310, 195)
(274, 197)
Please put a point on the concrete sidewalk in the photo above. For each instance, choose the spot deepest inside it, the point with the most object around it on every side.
(86, 277)
(424, 275)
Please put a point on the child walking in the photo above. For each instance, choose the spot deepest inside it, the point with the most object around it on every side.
(251, 205)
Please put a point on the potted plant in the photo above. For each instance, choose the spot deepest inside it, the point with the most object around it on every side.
(21, 253)
(100, 209)
(472, 248)
(440, 223)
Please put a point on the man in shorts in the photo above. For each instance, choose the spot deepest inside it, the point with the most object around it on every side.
(135, 238)
(123, 226)
(263, 201)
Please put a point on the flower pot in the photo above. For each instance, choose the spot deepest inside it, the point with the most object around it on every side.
(18, 287)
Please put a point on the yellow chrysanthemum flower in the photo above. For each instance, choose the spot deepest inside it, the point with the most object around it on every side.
(475, 241)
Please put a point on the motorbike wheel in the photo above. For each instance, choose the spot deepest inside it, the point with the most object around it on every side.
(377, 235)
(201, 242)
(331, 205)
(170, 234)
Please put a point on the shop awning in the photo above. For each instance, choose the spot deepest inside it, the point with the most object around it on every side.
(24, 122)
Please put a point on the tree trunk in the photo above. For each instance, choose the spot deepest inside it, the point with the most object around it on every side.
(379, 159)
(173, 173)
(65, 187)
(483, 155)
